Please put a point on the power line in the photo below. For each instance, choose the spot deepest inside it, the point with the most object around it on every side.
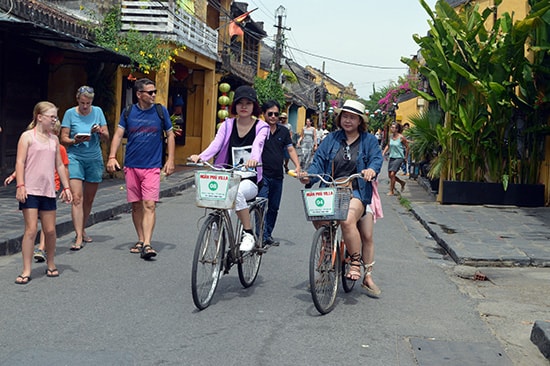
(349, 63)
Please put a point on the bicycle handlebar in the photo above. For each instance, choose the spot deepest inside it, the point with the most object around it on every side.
(332, 181)
(224, 168)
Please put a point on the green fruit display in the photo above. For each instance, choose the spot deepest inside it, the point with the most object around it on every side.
(224, 87)
(223, 114)
(224, 100)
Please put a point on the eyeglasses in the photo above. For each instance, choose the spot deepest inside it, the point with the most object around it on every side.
(347, 154)
(271, 114)
(55, 118)
(150, 92)
(85, 89)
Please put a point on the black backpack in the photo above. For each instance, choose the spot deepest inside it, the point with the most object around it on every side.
(158, 107)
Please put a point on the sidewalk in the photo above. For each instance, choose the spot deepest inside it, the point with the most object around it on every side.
(110, 201)
(472, 235)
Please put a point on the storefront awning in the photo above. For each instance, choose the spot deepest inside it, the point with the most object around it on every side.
(54, 38)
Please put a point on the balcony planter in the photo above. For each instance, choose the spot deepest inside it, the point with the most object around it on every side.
(481, 193)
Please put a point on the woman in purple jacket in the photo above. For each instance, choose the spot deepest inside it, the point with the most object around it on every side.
(241, 140)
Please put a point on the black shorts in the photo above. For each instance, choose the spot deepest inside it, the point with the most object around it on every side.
(42, 203)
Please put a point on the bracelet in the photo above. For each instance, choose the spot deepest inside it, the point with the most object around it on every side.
(112, 157)
(12, 176)
(19, 186)
(64, 189)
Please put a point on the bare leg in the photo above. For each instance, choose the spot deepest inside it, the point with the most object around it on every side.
(352, 238)
(90, 190)
(27, 245)
(47, 218)
(366, 228)
(148, 224)
(137, 219)
(77, 210)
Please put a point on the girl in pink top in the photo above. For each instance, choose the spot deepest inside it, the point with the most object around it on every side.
(37, 158)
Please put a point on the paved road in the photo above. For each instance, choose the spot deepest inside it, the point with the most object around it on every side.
(109, 307)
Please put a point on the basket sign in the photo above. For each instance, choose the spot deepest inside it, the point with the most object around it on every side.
(213, 185)
(320, 202)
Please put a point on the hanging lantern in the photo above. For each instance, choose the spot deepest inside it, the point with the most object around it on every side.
(180, 72)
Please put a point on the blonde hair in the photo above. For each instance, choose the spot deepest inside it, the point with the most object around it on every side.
(40, 108)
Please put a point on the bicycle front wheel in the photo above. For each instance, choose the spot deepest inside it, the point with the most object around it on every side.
(324, 270)
(207, 261)
(249, 265)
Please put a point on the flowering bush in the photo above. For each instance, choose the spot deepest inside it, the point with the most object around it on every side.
(386, 103)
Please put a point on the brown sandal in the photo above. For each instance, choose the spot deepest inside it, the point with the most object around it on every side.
(355, 264)
(137, 247)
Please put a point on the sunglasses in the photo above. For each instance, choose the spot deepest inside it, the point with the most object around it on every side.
(86, 89)
(54, 118)
(271, 114)
(347, 154)
(150, 92)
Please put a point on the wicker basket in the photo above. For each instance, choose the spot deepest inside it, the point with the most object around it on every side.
(216, 189)
(326, 203)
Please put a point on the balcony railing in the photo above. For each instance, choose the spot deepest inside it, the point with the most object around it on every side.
(165, 20)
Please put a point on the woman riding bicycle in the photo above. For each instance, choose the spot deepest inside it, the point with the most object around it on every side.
(241, 140)
(349, 150)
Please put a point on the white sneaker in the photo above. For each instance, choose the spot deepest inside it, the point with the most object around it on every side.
(247, 243)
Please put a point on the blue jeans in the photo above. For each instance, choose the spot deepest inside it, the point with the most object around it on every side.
(272, 189)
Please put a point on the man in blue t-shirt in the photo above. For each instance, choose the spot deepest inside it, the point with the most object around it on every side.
(272, 162)
(145, 129)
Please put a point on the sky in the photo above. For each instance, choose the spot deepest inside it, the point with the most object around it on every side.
(372, 34)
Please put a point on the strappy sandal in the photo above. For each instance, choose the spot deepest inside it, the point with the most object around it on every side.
(355, 264)
(137, 247)
(373, 291)
(148, 252)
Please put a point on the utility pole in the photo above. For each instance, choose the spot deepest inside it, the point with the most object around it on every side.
(322, 102)
(279, 14)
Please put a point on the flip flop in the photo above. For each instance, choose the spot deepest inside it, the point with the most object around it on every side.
(26, 280)
(85, 239)
(52, 272)
(74, 248)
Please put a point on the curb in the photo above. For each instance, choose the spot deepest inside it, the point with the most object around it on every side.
(540, 335)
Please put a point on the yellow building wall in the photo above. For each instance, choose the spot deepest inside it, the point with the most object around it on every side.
(408, 109)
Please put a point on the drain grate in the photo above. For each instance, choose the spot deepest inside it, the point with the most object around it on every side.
(434, 352)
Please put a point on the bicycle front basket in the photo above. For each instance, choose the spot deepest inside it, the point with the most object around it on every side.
(326, 203)
(216, 189)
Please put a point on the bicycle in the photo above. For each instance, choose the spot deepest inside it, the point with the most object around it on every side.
(328, 255)
(217, 246)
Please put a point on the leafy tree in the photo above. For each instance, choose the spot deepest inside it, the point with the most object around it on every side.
(269, 89)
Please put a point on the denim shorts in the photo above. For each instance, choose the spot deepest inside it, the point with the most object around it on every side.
(42, 203)
(86, 170)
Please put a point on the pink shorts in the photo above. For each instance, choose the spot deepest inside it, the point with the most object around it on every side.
(142, 184)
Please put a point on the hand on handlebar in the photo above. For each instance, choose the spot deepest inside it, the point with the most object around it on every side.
(368, 174)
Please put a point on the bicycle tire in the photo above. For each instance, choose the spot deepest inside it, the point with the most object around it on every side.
(249, 264)
(207, 261)
(324, 270)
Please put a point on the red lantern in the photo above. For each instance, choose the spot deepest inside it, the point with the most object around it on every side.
(180, 72)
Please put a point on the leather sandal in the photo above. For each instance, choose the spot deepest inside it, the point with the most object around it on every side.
(373, 291)
(148, 252)
(137, 247)
(355, 264)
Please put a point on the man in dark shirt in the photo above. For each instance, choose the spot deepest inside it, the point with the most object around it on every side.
(272, 162)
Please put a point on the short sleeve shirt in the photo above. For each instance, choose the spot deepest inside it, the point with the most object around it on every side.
(273, 153)
(83, 124)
